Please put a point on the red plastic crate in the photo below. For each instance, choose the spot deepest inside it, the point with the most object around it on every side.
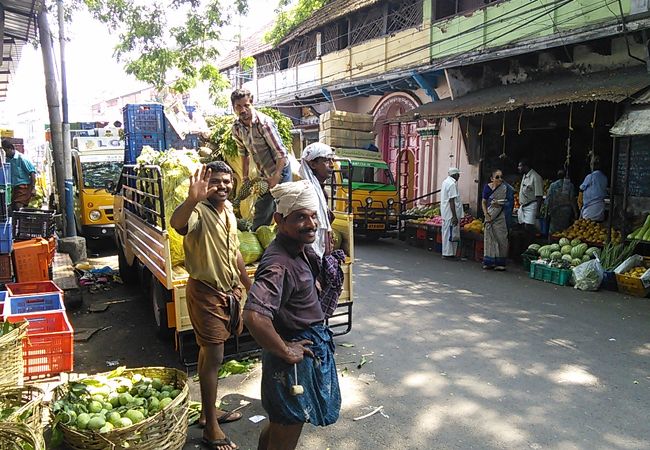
(49, 347)
(32, 287)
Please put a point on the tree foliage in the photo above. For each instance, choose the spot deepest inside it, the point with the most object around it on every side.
(222, 142)
(158, 47)
(289, 18)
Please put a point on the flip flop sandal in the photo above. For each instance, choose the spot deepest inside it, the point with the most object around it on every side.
(225, 442)
(226, 417)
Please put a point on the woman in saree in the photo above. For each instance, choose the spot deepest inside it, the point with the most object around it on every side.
(497, 203)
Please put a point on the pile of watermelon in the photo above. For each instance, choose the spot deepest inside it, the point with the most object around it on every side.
(569, 253)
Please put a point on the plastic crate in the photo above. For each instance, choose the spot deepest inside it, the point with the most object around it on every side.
(31, 288)
(33, 223)
(6, 236)
(48, 349)
(633, 286)
(548, 274)
(6, 272)
(135, 142)
(51, 243)
(30, 304)
(5, 209)
(144, 118)
(31, 260)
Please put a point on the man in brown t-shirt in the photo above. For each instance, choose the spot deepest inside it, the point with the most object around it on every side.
(217, 272)
(284, 315)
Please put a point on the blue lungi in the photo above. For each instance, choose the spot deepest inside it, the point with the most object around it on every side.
(321, 402)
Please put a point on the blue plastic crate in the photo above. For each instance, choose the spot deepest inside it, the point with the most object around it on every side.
(28, 304)
(87, 125)
(135, 142)
(144, 118)
(6, 236)
(3, 296)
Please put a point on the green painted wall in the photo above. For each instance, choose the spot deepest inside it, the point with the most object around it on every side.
(516, 21)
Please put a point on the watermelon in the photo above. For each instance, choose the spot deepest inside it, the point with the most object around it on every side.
(555, 247)
(586, 258)
(535, 247)
(579, 250)
(265, 235)
(563, 242)
(566, 250)
(567, 258)
(576, 242)
(250, 248)
(576, 261)
(593, 251)
(556, 256)
(545, 252)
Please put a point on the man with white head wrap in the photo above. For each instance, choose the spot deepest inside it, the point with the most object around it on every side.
(284, 315)
(316, 166)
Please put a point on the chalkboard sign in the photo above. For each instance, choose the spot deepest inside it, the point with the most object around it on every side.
(639, 175)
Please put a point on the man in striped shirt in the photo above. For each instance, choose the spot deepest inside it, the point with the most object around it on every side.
(256, 135)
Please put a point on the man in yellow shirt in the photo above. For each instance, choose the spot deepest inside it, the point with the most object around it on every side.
(214, 289)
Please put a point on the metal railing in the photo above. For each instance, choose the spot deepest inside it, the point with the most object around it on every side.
(141, 188)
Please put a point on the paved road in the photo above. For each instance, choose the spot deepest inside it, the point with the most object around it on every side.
(459, 359)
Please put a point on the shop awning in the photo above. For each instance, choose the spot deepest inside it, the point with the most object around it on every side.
(634, 122)
(613, 86)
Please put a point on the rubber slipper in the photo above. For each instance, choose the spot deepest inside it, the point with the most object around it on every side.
(226, 417)
(225, 442)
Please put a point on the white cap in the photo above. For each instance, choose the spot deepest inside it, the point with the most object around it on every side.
(453, 171)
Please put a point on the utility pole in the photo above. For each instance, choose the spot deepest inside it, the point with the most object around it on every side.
(70, 227)
(240, 74)
(53, 105)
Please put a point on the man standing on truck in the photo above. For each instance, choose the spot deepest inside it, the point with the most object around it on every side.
(451, 209)
(256, 135)
(217, 273)
(23, 176)
(284, 315)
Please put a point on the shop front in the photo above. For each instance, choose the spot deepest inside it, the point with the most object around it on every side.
(556, 123)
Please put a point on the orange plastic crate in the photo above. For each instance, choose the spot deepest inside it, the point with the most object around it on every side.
(49, 347)
(32, 287)
(31, 260)
(51, 243)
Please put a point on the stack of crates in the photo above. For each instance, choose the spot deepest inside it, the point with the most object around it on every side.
(144, 125)
(173, 140)
(48, 349)
(6, 229)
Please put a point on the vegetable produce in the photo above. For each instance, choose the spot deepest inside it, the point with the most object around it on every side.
(564, 241)
(176, 167)
(642, 233)
(614, 254)
(535, 247)
(250, 248)
(8, 327)
(265, 234)
(589, 231)
(556, 255)
(423, 211)
(636, 272)
(475, 226)
(104, 402)
(566, 249)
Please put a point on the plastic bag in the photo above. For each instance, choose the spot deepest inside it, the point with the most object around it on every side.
(588, 276)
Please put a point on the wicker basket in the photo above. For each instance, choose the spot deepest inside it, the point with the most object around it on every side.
(166, 430)
(17, 436)
(11, 356)
(29, 400)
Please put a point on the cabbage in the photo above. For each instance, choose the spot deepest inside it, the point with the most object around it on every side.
(265, 235)
(249, 247)
(176, 167)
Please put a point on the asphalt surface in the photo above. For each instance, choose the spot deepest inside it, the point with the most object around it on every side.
(458, 358)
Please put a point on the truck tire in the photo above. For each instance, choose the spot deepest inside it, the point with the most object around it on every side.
(160, 296)
(128, 273)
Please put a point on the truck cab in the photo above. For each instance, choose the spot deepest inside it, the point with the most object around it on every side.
(365, 187)
(96, 166)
